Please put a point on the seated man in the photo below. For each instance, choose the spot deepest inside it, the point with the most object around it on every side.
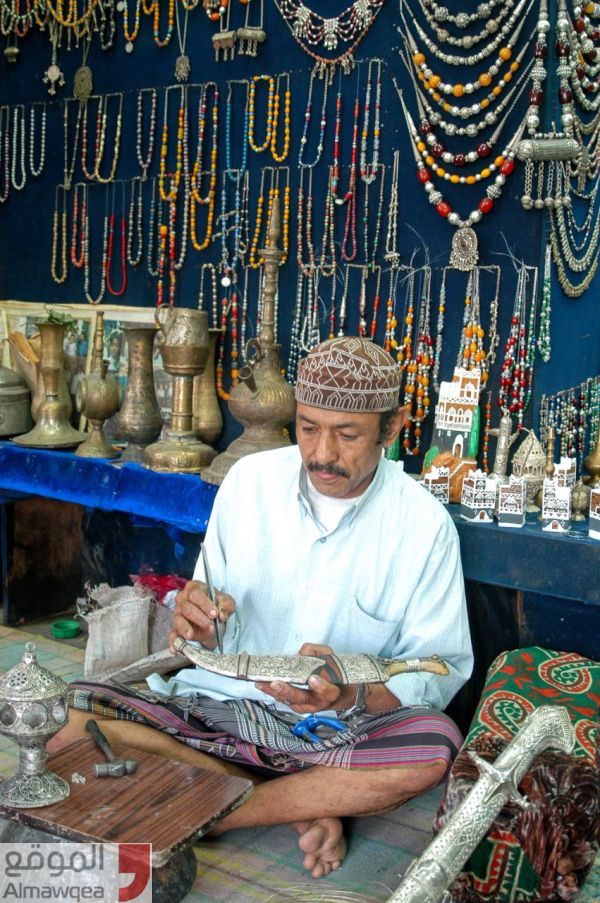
(316, 547)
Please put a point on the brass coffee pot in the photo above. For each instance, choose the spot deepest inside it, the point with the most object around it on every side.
(263, 401)
(52, 429)
(98, 398)
(139, 421)
(184, 352)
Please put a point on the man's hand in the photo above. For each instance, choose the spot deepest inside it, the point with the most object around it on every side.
(320, 695)
(195, 614)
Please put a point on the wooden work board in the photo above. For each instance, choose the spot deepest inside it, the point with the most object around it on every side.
(168, 804)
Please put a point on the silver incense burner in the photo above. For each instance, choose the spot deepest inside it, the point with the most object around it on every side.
(33, 707)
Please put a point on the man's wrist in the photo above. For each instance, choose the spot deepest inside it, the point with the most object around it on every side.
(358, 706)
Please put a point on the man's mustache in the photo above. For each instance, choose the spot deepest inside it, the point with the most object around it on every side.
(328, 468)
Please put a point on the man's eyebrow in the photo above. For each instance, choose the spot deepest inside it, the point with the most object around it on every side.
(350, 424)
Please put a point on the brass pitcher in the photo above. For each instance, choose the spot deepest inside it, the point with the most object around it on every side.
(184, 352)
(98, 398)
(263, 401)
(207, 418)
(139, 421)
(52, 429)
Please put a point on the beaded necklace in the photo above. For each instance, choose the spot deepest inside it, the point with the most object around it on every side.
(370, 231)
(154, 230)
(109, 246)
(441, 15)
(516, 378)
(86, 268)
(287, 112)
(307, 120)
(229, 263)
(392, 255)
(349, 241)
(69, 165)
(79, 224)
(390, 342)
(37, 170)
(154, 11)
(486, 433)
(145, 160)
(471, 352)
(135, 222)
(214, 294)
(311, 29)
(197, 172)
(368, 171)
(544, 344)
(130, 36)
(235, 175)
(116, 140)
(519, 15)
(464, 245)
(18, 184)
(257, 79)
(304, 227)
(181, 153)
(59, 236)
(327, 262)
(5, 151)
(439, 338)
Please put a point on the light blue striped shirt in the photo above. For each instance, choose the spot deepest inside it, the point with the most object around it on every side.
(386, 581)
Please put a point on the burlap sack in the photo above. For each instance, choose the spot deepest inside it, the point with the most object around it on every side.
(125, 624)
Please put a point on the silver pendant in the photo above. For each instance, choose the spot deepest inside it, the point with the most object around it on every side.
(464, 254)
(83, 84)
(54, 77)
(182, 68)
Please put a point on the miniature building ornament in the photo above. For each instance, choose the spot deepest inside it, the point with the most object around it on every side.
(594, 522)
(556, 506)
(456, 415)
(478, 500)
(437, 482)
(511, 503)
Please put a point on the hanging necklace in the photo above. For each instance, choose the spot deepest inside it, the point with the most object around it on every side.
(154, 230)
(116, 140)
(135, 222)
(69, 165)
(86, 268)
(327, 261)
(313, 30)
(250, 36)
(214, 295)
(471, 352)
(145, 160)
(109, 247)
(196, 196)
(516, 378)
(391, 343)
(307, 120)
(181, 153)
(256, 79)
(304, 227)
(79, 225)
(18, 157)
(59, 237)
(368, 171)
(37, 170)
(438, 21)
(5, 151)
(464, 243)
(392, 255)
(544, 344)
(287, 108)
(83, 82)
(521, 13)
(182, 63)
(370, 231)
(130, 36)
(439, 337)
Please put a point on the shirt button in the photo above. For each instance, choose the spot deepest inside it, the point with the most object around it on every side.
(323, 539)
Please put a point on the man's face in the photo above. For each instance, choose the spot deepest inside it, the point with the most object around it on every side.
(339, 450)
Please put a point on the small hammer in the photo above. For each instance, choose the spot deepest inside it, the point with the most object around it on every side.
(115, 767)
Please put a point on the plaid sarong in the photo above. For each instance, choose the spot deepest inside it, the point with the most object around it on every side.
(256, 735)
(543, 853)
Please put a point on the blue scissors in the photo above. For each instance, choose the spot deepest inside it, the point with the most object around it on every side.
(306, 727)
(210, 592)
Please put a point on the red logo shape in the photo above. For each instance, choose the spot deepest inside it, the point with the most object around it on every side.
(134, 859)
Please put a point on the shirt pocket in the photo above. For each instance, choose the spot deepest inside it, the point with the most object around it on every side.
(358, 631)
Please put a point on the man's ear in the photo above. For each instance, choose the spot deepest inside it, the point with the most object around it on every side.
(396, 425)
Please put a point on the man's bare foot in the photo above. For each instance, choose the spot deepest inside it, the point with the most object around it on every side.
(323, 844)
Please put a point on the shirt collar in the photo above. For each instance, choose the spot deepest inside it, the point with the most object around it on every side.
(374, 485)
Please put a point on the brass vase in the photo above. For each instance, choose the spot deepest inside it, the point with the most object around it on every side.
(139, 421)
(52, 429)
(98, 398)
(592, 465)
(263, 401)
(184, 352)
(207, 419)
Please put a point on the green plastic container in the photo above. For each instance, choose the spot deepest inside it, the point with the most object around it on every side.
(65, 630)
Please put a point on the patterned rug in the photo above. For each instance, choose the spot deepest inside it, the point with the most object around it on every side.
(263, 865)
